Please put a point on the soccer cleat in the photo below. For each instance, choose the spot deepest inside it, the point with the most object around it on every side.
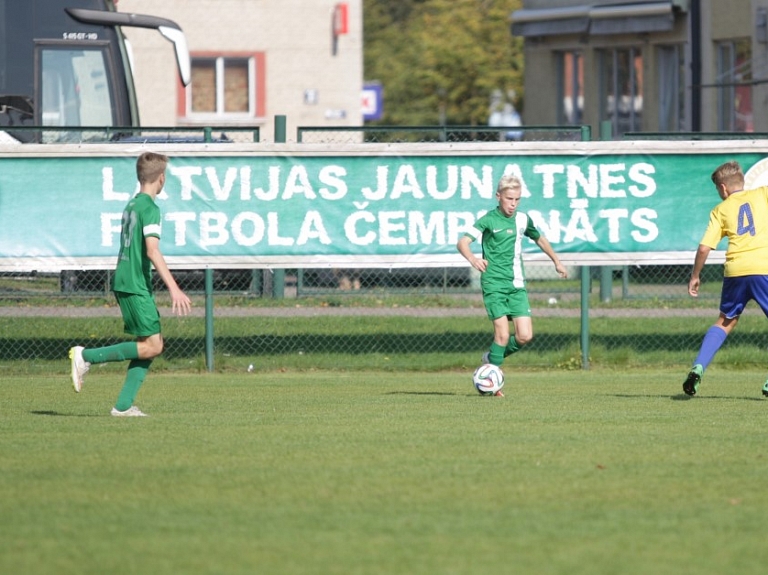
(486, 358)
(691, 383)
(79, 367)
(765, 389)
(498, 394)
(132, 411)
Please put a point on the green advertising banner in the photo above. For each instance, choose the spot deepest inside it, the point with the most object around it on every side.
(307, 206)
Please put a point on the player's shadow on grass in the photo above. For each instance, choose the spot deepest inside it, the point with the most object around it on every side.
(420, 393)
(682, 397)
(648, 396)
(51, 413)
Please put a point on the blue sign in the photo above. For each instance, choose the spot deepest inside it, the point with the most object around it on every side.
(372, 101)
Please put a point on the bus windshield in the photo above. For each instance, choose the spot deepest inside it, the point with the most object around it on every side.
(76, 90)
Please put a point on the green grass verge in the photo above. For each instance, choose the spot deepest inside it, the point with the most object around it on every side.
(37, 345)
(317, 472)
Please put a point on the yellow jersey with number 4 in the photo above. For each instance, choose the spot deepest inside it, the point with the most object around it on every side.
(743, 218)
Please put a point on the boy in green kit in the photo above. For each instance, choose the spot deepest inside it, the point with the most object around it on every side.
(503, 275)
(132, 286)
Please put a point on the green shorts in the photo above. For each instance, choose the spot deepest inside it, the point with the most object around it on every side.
(511, 304)
(140, 314)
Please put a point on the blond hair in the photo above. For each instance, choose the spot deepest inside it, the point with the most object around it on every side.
(730, 174)
(150, 166)
(508, 182)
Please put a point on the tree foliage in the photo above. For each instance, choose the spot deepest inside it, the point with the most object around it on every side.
(440, 60)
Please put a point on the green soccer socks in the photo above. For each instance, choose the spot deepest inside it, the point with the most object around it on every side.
(118, 352)
(137, 371)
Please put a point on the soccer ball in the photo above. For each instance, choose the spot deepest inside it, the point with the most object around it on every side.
(488, 379)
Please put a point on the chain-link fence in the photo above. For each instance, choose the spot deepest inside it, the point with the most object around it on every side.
(440, 134)
(304, 134)
(399, 318)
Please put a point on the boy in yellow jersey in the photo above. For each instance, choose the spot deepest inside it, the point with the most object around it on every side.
(502, 231)
(742, 216)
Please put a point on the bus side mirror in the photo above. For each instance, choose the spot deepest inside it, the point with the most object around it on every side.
(168, 28)
(176, 36)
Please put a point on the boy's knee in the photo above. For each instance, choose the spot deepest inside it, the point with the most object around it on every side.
(158, 348)
(151, 348)
(524, 339)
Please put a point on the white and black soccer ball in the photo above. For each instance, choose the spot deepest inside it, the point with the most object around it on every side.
(488, 379)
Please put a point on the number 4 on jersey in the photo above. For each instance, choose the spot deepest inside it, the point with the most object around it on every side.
(746, 221)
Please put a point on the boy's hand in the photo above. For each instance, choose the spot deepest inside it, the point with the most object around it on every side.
(181, 304)
(561, 270)
(693, 287)
(479, 264)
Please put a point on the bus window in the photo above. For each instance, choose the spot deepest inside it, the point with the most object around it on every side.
(93, 88)
(74, 88)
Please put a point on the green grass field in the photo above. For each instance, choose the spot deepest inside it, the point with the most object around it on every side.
(322, 472)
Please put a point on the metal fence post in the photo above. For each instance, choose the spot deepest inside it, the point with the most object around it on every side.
(586, 281)
(209, 319)
(278, 275)
(625, 282)
(606, 283)
(606, 272)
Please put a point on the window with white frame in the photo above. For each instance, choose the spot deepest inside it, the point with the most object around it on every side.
(225, 87)
(734, 86)
(621, 89)
(570, 88)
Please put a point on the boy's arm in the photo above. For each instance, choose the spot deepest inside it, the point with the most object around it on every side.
(546, 247)
(180, 303)
(698, 264)
(463, 246)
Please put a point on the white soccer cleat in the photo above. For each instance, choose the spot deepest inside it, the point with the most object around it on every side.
(486, 358)
(132, 411)
(79, 367)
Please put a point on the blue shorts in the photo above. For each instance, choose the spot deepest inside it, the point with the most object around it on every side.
(737, 291)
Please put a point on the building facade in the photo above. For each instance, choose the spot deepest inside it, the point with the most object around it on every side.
(646, 66)
(251, 61)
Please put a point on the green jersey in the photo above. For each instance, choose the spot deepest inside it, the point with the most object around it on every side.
(502, 239)
(141, 219)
